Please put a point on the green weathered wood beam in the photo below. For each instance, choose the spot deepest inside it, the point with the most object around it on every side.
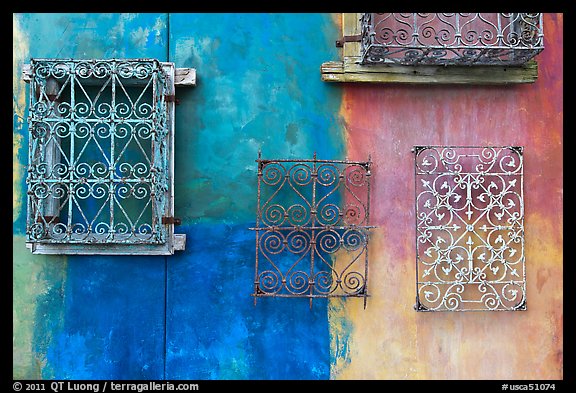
(338, 71)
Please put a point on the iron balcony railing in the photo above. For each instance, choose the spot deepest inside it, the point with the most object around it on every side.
(450, 38)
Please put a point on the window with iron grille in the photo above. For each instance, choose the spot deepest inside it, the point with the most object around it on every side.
(464, 48)
(312, 228)
(451, 38)
(100, 164)
(469, 228)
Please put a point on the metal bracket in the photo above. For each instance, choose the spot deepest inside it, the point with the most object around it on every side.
(419, 306)
(171, 220)
(172, 98)
(26, 73)
(348, 38)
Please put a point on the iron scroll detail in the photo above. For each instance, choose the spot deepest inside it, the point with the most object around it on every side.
(450, 38)
(469, 205)
(98, 165)
(312, 228)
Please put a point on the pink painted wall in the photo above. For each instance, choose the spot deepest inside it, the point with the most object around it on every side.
(386, 120)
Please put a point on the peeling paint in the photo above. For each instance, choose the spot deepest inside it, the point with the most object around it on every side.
(341, 329)
(19, 58)
(37, 287)
(139, 37)
(160, 31)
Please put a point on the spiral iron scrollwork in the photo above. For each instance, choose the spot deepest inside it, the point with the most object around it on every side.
(97, 170)
(451, 38)
(470, 228)
(312, 228)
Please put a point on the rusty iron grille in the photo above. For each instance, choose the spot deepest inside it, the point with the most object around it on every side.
(98, 163)
(451, 38)
(469, 228)
(312, 228)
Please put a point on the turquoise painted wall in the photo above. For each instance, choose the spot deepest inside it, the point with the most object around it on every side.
(189, 315)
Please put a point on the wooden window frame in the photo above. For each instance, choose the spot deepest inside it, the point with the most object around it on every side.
(174, 241)
(349, 69)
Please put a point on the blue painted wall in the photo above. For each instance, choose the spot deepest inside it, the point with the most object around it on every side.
(258, 88)
(189, 315)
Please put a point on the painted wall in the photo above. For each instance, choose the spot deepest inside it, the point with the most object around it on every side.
(191, 316)
(387, 121)
(82, 317)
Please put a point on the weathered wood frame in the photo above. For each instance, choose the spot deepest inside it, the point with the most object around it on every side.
(348, 70)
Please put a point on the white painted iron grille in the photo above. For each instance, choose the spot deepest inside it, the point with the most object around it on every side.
(451, 38)
(98, 154)
(469, 228)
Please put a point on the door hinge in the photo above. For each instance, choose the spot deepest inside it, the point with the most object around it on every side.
(171, 98)
(171, 220)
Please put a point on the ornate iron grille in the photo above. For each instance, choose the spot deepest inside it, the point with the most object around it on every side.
(470, 228)
(312, 228)
(98, 169)
(451, 38)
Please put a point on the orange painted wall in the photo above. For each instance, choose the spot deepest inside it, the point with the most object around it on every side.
(389, 340)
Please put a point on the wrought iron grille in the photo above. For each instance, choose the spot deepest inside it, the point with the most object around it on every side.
(451, 38)
(312, 228)
(469, 228)
(98, 169)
